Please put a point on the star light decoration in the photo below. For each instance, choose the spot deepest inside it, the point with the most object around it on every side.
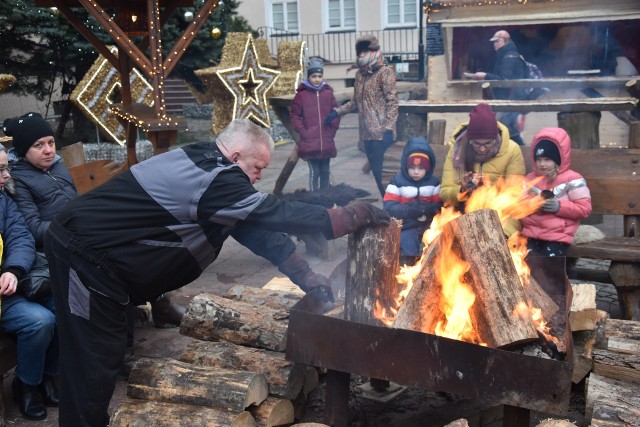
(249, 84)
(98, 89)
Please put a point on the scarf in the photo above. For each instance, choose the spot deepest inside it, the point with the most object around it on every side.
(312, 87)
(370, 62)
(464, 156)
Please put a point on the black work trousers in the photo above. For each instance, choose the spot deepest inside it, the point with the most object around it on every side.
(92, 329)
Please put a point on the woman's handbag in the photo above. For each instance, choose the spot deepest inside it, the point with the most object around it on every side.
(36, 284)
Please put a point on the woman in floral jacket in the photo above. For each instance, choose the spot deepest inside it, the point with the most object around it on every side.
(375, 98)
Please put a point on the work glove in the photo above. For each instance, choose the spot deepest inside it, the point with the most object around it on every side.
(387, 137)
(332, 115)
(551, 205)
(298, 270)
(355, 216)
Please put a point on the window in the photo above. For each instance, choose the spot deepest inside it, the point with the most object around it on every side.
(342, 15)
(285, 15)
(402, 13)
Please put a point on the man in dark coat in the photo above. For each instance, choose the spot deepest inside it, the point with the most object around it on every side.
(508, 65)
(155, 228)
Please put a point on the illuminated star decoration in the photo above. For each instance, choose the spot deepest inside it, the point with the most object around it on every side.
(249, 84)
(99, 88)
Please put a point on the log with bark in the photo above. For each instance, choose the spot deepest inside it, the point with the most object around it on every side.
(583, 344)
(537, 297)
(622, 412)
(273, 412)
(285, 378)
(499, 313)
(372, 264)
(619, 366)
(144, 413)
(210, 317)
(278, 300)
(172, 381)
(599, 388)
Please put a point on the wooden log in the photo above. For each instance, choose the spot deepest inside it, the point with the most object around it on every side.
(273, 412)
(556, 423)
(624, 412)
(73, 154)
(625, 274)
(499, 314)
(372, 264)
(144, 413)
(210, 317)
(437, 129)
(172, 381)
(487, 92)
(462, 422)
(285, 378)
(537, 297)
(619, 366)
(582, 314)
(630, 301)
(278, 300)
(623, 345)
(583, 344)
(598, 387)
(622, 328)
(634, 135)
(582, 127)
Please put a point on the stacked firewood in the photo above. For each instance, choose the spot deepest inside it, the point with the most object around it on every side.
(234, 374)
(607, 354)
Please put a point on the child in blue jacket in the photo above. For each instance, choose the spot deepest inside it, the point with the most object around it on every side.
(413, 195)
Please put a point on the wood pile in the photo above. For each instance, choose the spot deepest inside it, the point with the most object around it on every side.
(607, 354)
(234, 374)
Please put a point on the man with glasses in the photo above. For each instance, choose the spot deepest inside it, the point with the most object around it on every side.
(508, 65)
(480, 150)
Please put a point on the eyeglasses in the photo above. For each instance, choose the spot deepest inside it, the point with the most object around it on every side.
(486, 144)
(4, 170)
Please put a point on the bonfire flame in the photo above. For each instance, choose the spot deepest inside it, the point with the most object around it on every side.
(511, 199)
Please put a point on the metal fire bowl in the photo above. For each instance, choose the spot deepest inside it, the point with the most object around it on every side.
(440, 364)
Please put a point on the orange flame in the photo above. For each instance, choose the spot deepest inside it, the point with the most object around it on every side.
(511, 199)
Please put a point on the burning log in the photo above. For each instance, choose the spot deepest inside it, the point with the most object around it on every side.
(285, 378)
(278, 300)
(499, 314)
(273, 412)
(143, 413)
(539, 298)
(210, 317)
(373, 255)
(168, 380)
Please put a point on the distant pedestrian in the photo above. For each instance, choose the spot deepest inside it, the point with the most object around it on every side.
(314, 101)
(375, 98)
(413, 195)
(508, 65)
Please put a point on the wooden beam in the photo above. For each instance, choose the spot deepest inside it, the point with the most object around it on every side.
(86, 33)
(555, 83)
(155, 48)
(187, 37)
(119, 36)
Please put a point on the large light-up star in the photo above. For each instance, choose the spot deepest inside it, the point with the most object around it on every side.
(249, 84)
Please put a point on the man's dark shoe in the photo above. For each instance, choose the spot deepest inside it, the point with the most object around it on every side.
(28, 399)
(165, 313)
(49, 391)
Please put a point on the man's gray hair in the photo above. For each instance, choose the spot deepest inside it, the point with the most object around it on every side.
(244, 134)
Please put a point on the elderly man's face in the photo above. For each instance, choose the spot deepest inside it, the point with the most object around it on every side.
(253, 162)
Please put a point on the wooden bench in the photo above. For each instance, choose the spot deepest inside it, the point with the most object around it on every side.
(613, 177)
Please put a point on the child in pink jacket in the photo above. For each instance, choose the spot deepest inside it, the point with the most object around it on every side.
(550, 231)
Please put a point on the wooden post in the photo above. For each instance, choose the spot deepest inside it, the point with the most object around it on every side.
(582, 127)
(633, 87)
(285, 117)
(487, 92)
(437, 130)
(373, 256)
(634, 135)
(73, 155)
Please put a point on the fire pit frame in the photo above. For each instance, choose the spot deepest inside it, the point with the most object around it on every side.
(520, 382)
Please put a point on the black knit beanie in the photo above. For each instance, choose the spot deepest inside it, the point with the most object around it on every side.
(548, 149)
(26, 130)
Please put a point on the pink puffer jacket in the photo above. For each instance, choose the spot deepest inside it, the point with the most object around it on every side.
(569, 187)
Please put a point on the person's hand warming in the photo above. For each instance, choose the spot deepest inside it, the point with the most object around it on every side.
(551, 205)
(355, 216)
(387, 137)
(332, 115)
